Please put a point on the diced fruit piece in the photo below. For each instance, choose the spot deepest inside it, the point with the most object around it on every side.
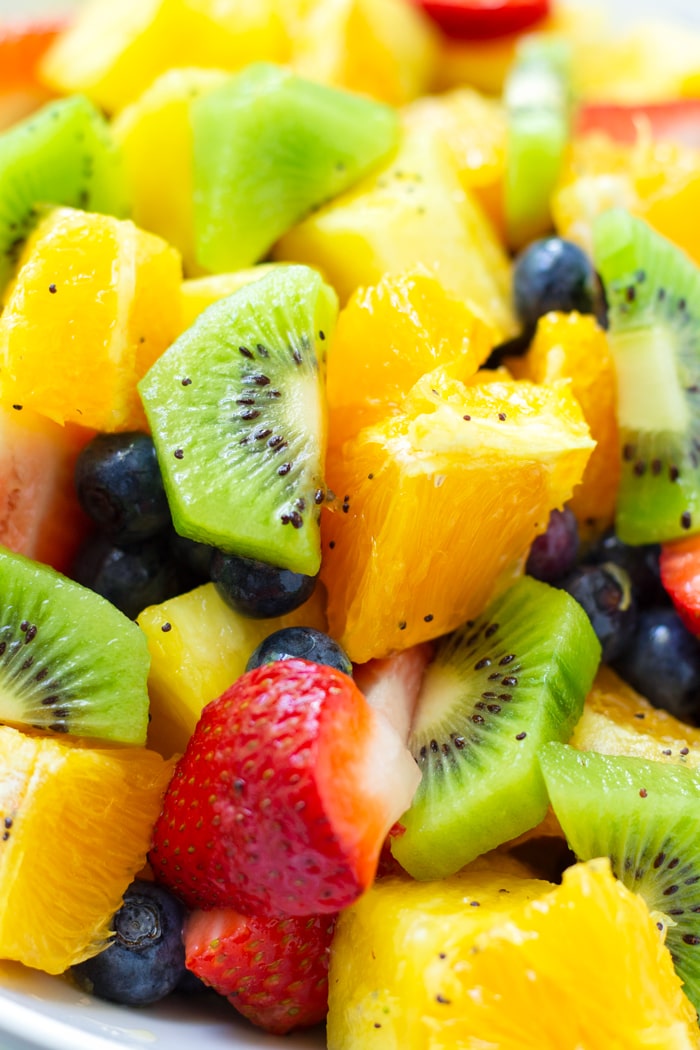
(198, 647)
(677, 121)
(413, 213)
(643, 815)
(680, 575)
(123, 284)
(392, 685)
(62, 155)
(295, 781)
(484, 19)
(605, 593)
(270, 147)
(553, 274)
(387, 337)
(130, 577)
(200, 292)
(640, 563)
(538, 108)
(273, 970)
(497, 689)
(145, 960)
(237, 411)
(155, 136)
(306, 643)
(39, 512)
(554, 553)
(653, 293)
(59, 648)
(574, 347)
(113, 53)
(616, 720)
(486, 951)
(381, 48)
(65, 861)
(477, 469)
(256, 589)
(22, 45)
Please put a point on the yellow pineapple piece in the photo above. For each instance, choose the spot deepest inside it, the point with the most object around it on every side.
(114, 51)
(198, 647)
(156, 140)
(414, 212)
(78, 823)
(200, 292)
(489, 958)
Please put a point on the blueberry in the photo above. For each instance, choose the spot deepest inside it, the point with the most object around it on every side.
(192, 559)
(553, 554)
(662, 662)
(304, 642)
(605, 593)
(146, 959)
(256, 589)
(640, 563)
(119, 486)
(129, 578)
(553, 274)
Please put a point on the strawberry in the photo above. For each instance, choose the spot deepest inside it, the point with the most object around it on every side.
(273, 970)
(285, 793)
(679, 564)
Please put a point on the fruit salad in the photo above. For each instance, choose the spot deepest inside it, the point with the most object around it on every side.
(350, 519)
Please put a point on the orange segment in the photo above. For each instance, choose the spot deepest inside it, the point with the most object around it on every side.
(122, 285)
(437, 505)
(387, 337)
(574, 347)
(79, 827)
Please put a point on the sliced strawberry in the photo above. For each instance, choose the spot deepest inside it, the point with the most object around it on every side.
(22, 46)
(484, 19)
(677, 121)
(284, 795)
(274, 970)
(680, 575)
(392, 685)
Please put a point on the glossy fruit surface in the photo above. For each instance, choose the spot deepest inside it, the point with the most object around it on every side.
(677, 121)
(256, 589)
(554, 553)
(485, 19)
(552, 274)
(304, 642)
(131, 578)
(679, 566)
(606, 595)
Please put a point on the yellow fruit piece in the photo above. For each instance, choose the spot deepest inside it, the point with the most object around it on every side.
(199, 647)
(200, 292)
(574, 347)
(78, 824)
(123, 287)
(532, 967)
(387, 337)
(413, 213)
(383, 48)
(659, 181)
(440, 503)
(155, 135)
(114, 51)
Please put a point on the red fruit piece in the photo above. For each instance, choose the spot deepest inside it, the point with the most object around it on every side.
(284, 795)
(484, 19)
(274, 970)
(392, 685)
(22, 46)
(680, 574)
(677, 121)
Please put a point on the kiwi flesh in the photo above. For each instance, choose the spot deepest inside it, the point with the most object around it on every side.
(653, 294)
(236, 407)
(62, 155)
(69, 661)
(645, 816)
(269, 147)
(497, 689)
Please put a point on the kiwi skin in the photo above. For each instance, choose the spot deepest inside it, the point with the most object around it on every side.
(645, 816)
(497, 689)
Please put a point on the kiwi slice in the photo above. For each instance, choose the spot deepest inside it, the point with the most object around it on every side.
(237, 411)
(538, 103)
(64, 155)
(653, 293)
(497, 689)
(644, 816)
(269, 147)
(69, 661)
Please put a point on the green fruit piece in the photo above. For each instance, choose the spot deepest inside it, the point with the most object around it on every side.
(70, 662)
(645, 816)
(497, 689)
(653, 293)
(237, 411)
(63, 155)
(538, 113)
(269, 147)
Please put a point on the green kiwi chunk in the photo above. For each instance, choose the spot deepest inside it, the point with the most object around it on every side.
(497, 689)
(237, 411)
(70, 662)
(269, 147)
(653, 294)
(62, 155)
(538, 104)
(645, 816)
